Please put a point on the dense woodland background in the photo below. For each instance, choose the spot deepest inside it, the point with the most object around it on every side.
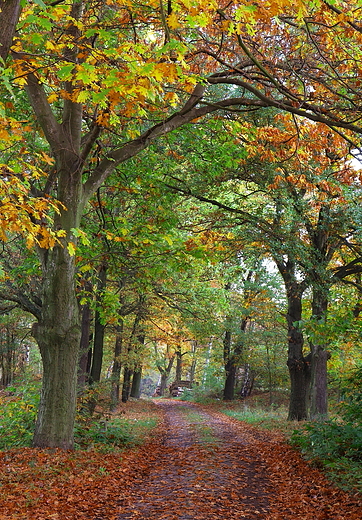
(181, 201)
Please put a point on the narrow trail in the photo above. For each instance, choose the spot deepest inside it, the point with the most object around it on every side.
(211, 467)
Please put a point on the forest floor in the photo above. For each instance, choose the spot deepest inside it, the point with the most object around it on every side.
(199, 464)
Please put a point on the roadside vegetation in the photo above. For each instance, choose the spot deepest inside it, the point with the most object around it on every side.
(130, 425)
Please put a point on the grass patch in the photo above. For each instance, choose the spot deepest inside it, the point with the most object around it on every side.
(205, 433)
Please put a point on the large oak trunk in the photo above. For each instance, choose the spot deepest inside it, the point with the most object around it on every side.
(319, 383)
(58, 335)
(297, 363)
(319, 358)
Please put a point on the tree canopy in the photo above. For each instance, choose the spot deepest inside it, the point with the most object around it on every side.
(87, 87)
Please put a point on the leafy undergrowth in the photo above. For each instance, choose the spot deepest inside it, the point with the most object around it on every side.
(101, 429)
(81, 484)
(131, 425)
(18, 409)
(336, 447)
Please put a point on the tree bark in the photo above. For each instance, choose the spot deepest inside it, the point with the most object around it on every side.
(230, 368)
(136, 383)
(297, 363)
(9, 16)
(58, 336)
(83, 369)
(178, 374)
(319, 358)
(116, 368)
(99, 328)
(126, 387)
(165, 372)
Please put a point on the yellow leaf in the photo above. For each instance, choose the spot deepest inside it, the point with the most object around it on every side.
(71, 248)
(47, 159)
(168, 239)
(172, 21)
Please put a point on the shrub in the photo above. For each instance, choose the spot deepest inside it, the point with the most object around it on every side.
(19, 405)
(337, 444)
(328, 441)
(351, 406)
(115, 434)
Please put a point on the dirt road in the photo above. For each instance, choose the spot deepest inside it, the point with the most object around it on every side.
(211, 467)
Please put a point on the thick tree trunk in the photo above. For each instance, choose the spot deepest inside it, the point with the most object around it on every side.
(319, 358)
(163, 383)
(247, 383)
(230, 368)
(58, 336)
(136, 383)
(319, 383)
(298, 368)
(126, 387)
(165, 372)
(297, 363)
(9, 16)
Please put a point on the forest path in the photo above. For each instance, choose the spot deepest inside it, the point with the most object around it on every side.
(211, 466)
(203, 472)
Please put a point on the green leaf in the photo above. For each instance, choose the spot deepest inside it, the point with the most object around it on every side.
(40, 3)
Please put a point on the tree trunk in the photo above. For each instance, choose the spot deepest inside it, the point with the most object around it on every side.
(126, 387)
(178, 375)
(247, 383)
(230, 368)
(193, 362)
(116, 368)
(165, 372)
(58, 336)
(9, 16)
(136, 383)
(163, 383)
(99, 328)
(83, 369)
(58, 330)
(319, 358)
(297, 364)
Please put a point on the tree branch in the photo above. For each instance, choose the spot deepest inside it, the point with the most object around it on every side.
(10, 12)
(50, 126)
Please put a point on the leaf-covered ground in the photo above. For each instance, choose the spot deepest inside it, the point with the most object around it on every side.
(199, 464)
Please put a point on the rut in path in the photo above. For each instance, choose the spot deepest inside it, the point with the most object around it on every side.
(205, 472)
